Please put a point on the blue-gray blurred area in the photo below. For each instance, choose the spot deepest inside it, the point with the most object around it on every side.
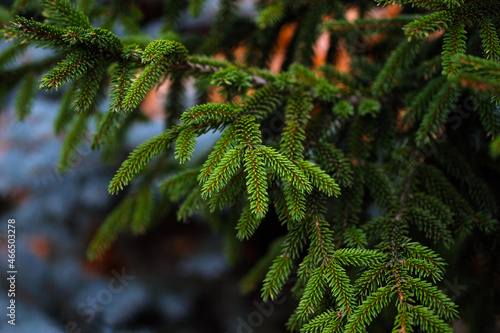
(174, 278)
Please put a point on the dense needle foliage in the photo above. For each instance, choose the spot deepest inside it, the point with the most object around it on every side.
(377, 153)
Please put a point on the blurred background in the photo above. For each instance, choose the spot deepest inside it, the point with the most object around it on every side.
(174, 278)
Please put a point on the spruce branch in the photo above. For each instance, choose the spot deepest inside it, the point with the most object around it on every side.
(310, 300)
(329, 321)
(225, 142)
(489, 37)
(428, 24)
(256, 182)
(62, 13)
(286, 169)
(72, 142)
(74, 66)
(184, 145)
(140, 156)
(25, 96)
(401, 58)
(211, 112)
(369, 309)
(157, 56)
(281, 267)
(116, 222)
(247, 223)
(453, 43)
(223, 172)
(425, 318)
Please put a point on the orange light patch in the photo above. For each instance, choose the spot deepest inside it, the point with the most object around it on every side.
(284, 38)
(40, 246)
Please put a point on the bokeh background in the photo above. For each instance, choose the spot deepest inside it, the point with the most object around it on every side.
(173, 278)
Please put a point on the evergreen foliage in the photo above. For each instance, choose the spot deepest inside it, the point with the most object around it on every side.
(376, 172)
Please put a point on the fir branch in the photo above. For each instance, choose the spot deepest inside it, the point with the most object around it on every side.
(73, 140)
(371, 279)
(62, 13)
(25, 96)
(270, 16)
(476, 73)
(293, 136)
(74, 66)
(428, 24)
(329, 321)
(335, 163)
(282, 265)
(379, 186)
(121, 80)
(286, 169)
(401, 58)
(434, 227)
(116, 222)
(437, 112)
(211, 112)
(225, 142)
(196, 7)
(102, 41)
(35, 33)
(490, 117)
(369, 309)
(403, 321)
(256, 182)
(141, 216)
(434, 205)
(320, 179)
(489, 38)
(369, 25)
(140, 156)
(248, 132)
(280, 206)
(87, 89)
(184, 145)
(430, 322)
(341, 287)
(321, 237)
(422, 268)
(419, 104)
(105, 133)
(10, 53)
(358, 257)
(157, 56)
(428, 4)
(247, 223)
(311, 299)
(433, 298)
(190, 205)
(229, 194)
(355, 238)
(295, 202)
(223, 172)
(453, 43)
(263, 102)
(276, 277)
(65, 113)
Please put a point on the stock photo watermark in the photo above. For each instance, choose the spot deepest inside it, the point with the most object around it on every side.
(93, 305)
(256, 318)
